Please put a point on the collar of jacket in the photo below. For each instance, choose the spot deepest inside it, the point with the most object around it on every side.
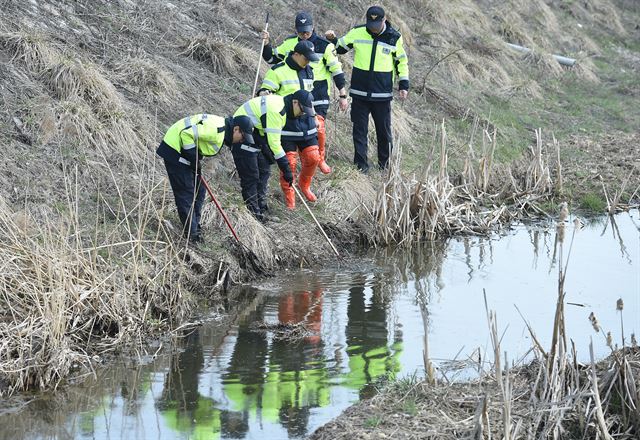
(288, 105)
(228, 130)
(291, 63)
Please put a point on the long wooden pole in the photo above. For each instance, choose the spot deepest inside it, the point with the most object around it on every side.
(255, 82)
(316, 220)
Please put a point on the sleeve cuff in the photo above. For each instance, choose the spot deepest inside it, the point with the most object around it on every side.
(339, 80)
(267, 53)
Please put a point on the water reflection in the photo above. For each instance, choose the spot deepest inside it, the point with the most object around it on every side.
(182, 406)
(274, 381)
(371, 354)
(396, 314)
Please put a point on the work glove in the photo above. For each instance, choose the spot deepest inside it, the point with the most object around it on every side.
(268, 154)
(287, 175)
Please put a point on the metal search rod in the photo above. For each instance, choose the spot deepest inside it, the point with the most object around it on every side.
(224, 215)
(255, 82)
(316, 220)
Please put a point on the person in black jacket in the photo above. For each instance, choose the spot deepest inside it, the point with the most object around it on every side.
(379, 57)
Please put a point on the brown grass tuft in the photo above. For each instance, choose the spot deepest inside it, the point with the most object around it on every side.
(69, 78)
(31, 49)
(148, 78)
(223, 56)
(64, 300)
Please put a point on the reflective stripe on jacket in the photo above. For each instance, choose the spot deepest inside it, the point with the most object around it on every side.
(284, 79)
(206, 132)
(377, 60)
(325, 69)
(269, 116)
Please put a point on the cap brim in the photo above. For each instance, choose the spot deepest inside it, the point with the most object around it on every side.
(309, 111)
(308, 28)
(248, 138)
(374, 24)
(313, 57)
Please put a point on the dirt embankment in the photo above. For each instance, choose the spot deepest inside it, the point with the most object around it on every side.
(91, 258)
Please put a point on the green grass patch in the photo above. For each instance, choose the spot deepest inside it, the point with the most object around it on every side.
(592, 202)
(373, 422)
(409, 406)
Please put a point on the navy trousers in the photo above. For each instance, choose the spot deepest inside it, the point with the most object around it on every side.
(381, 113)
(189, 195)
(254, 171)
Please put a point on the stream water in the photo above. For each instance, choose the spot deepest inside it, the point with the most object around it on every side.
(363, 323)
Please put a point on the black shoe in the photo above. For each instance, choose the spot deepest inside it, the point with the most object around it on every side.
(197, 238)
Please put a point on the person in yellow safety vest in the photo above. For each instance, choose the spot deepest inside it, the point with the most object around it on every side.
(183, 146)
(293, 74)
(379, 57)
(326, 68)
(269, 115)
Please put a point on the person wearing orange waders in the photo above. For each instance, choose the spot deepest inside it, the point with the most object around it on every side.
(283, 79)
(269, 115)
(324, 69)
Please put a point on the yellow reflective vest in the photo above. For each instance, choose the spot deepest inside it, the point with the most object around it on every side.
(287, 77)
(325, 69)
(284, 79)
(377, 61)
(269, 116)
(203, 131)
(192, 138)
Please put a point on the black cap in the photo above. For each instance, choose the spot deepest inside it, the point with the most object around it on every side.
(306, 101)
(246, 127)
(375, 16)
(304, 22)
(305, 47)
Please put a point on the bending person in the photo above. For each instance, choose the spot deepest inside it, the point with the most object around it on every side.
(269, 114)
(184, 145)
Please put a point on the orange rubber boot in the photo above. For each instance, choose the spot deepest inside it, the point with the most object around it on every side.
(322, 139)
(288, 191)
(309, 158)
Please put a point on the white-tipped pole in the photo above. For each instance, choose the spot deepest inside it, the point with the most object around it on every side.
(255, 82)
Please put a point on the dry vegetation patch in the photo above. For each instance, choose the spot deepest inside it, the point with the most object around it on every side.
(65, 303)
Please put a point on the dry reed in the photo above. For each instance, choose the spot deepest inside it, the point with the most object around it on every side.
(68, 298)
(482, 197)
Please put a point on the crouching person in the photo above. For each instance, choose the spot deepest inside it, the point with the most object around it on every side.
(183, 147)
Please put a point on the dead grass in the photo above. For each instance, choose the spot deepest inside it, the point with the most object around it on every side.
(64, 302)
(30, 49)
(432, 202)
(224, 57)
(349, 198)
(147, 78)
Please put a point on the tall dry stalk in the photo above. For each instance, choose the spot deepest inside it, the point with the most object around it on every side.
(428, 204)
(67, 298)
